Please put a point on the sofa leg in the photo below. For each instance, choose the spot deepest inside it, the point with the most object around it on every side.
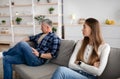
(15, 75)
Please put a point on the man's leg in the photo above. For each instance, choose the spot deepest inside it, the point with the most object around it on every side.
(66, 73)
(13, 51)
(7, 64)
(24, 49)
(28, 55)
(22, 54)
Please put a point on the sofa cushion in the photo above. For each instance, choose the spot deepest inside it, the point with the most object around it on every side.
(38, 72)
(64, 53)
(112, 70)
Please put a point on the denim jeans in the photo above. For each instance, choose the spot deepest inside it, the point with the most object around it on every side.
(67, 73)
(21, 53)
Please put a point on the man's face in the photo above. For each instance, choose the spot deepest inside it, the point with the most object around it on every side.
(44, 27)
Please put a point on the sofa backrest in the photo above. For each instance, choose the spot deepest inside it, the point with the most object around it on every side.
(64, 53)
(112, 70)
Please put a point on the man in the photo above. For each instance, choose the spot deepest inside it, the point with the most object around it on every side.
(46, 47)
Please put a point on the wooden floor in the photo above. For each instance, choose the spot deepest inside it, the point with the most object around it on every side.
(4, 47)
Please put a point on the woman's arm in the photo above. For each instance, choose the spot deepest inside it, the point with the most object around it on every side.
(72, 60)
(102, 64)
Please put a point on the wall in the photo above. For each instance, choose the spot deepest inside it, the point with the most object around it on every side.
(27, 10)
(100, 9)
(111, 34)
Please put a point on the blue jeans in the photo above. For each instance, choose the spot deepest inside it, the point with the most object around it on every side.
(21, 53)
(67, 73)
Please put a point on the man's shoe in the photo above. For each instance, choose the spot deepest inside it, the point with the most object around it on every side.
(1, 55)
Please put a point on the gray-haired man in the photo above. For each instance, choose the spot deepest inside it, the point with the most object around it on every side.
(46, 47)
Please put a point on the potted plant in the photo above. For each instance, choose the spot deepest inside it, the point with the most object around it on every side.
(54, 30)
(3, 22)
(51, 9)
(38, 0)
(49, 1)
(12, 3)
(40, 18)
(18, 20)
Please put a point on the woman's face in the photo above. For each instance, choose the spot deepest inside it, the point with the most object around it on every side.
(86, 30)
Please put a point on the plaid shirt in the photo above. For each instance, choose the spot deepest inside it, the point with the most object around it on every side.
(50, 43)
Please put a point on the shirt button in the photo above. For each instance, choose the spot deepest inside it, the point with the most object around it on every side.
(87, 53)
(80, 71)
(88, 49)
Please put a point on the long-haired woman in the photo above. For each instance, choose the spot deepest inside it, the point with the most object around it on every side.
(90, 56)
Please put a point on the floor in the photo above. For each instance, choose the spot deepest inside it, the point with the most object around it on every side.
(1, 69)
(3, 47)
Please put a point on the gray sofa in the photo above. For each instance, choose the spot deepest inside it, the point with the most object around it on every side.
(112, 71)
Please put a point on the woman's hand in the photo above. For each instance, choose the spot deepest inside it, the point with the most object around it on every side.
(35, 52)
(96, 64)
(76, 62)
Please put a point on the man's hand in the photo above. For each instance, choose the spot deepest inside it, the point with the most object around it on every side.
(43, 55)
(26, 39)
(35, 52)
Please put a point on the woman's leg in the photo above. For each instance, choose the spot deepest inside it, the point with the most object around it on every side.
(66, 73)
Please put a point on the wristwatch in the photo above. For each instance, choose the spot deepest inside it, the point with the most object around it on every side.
(39, 55)
(79, 62)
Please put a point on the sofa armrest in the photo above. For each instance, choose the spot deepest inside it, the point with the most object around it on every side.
(32, 44)
(112, 70)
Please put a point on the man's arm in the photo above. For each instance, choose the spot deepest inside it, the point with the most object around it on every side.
(43, 55)
(46, 55)
(26, 39)
(52, 53)
(31, 38)
(54, 48)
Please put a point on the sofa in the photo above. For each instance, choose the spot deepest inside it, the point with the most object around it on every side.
(112, 70)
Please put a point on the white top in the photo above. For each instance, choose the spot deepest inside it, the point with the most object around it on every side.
(103, 52)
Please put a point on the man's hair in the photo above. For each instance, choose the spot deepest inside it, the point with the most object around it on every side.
(47, 21)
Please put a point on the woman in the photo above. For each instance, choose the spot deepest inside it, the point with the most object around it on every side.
(90, 56)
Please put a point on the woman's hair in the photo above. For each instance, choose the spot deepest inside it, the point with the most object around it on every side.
(96, 40)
